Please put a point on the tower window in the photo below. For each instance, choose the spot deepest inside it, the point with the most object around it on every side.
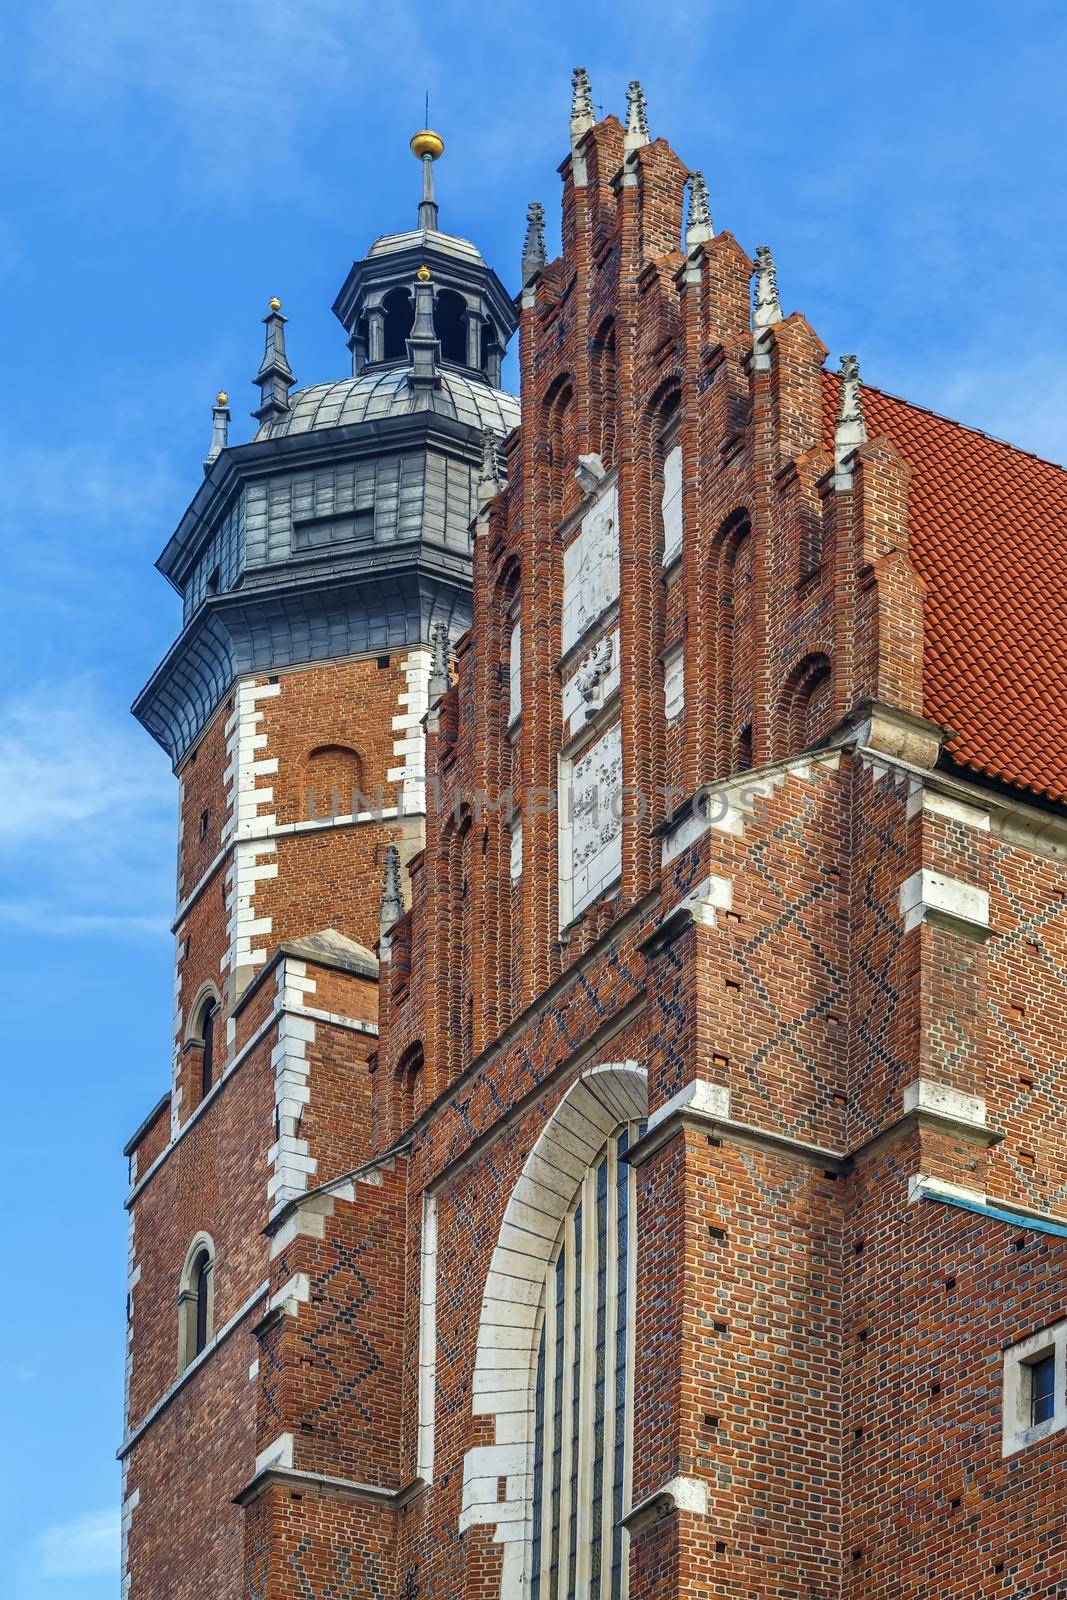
(1042, 1390)
(212, 584)
(204, 1034)
(399, 313)
(451, 326)
(1035, 1388)
(196, 1301)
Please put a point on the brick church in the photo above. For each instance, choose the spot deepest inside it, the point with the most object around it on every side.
(615, 1141)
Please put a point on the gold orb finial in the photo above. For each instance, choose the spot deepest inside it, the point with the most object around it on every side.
(274, 304)
(222, 398)
(423, 273)
(427, 143)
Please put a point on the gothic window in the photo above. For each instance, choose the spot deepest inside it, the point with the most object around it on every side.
(196, 1301)
(733, 575)
(583, 1388)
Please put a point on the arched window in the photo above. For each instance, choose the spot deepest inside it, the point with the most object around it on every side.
(333, 782)
(399, 312)
(450, 325)
(805, 710)
(408, 1080)
(733, 576)
(559, 1465)
(582, 1404)
(207, 1033)
(196, 1301)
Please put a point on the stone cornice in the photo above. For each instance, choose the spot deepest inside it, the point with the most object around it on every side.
(325, 1484)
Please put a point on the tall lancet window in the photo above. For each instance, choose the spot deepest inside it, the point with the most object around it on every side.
(583, 1390)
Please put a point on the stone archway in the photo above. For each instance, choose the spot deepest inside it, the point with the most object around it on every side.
(589, 1113)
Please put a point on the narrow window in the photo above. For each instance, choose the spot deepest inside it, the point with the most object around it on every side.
(207, 1070)
(1042, 1389)
(196, 1301)
(201, 1281)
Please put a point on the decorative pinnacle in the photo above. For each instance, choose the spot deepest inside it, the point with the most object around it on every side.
(493, 478)
(581, 104)
(220, 424)
(392, 895)
(636, 118)
(440, 661)
(275, 376)
(766, 310)
(427, 146)
(851, 428)
(534, 256)
(698, 228)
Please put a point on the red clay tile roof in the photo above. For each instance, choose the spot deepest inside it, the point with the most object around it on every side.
(988, 537)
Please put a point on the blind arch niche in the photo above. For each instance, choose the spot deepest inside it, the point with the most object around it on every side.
(557, 1183)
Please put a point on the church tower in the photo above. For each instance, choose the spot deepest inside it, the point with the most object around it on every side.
(323, 567)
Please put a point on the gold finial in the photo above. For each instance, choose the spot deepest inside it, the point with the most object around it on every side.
(427, 143)
(222, 398)
(274, 304)
(423, 274)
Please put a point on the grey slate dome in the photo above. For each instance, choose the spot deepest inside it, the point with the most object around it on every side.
(433, 239)
(387, 392)
(343, 528)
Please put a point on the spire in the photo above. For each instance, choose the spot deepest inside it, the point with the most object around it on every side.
(581, 104)
(440, 661)
(698, 228)
(493, 478)
(851, 429)
(427, 146)
(766, 311)
(533, 249)
(392, 897)
(275, 376)
(636, 118)
(220, 423)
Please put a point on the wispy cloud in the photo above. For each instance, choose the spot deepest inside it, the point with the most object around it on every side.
(86, 816)
(243, 80)
(87, 1546)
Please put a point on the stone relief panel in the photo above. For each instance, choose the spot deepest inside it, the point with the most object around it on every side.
(590, 822)
(672, 504)
(591, 568)
(592, 684)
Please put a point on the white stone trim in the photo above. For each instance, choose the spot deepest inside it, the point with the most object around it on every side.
(247, 825)
(680, 1494)
(1017, 1433)
(410, 744)
(943, 1101)
(289, 1156)
(599, 1102)
(427, 1339)
(708, 1100)
(929, 896)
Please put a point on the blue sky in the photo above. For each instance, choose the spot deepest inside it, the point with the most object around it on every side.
(167, 168)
